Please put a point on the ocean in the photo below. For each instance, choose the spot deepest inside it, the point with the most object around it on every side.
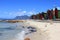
(11, 31)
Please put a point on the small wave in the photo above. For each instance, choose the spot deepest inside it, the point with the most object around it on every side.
(3, 29)
(1, 34)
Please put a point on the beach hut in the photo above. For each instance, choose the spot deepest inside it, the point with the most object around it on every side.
(38, 16)
(33, 17)
(54, 18)
(44, 15)
(49, 14)
(56, 13)
(41, 17)
(59, 14)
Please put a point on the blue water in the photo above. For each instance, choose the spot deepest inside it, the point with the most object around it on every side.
(8, 31)
(14, 31)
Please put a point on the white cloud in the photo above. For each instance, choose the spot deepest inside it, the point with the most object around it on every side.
(30, 13)
(18, 13)
(58, 8)
(25, 13)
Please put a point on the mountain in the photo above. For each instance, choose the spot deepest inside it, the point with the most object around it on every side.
(22, 17)
(17, 18)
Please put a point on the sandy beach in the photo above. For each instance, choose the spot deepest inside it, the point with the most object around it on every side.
(45, 30)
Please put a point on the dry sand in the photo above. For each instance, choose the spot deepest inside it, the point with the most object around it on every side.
(45, 30)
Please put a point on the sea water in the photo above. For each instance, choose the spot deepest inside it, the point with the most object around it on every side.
(11, 31)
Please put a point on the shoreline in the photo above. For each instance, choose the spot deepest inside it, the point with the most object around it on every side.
(47, 30)
(14, 21)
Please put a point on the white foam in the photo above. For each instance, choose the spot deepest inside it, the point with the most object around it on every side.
(20, 36)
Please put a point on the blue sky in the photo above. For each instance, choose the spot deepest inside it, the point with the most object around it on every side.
(12, 8)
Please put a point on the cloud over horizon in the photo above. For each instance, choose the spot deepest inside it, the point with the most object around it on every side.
(13, 14)
(58, 8)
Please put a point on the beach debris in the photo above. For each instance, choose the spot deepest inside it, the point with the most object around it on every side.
(32, 29)
(27, 38)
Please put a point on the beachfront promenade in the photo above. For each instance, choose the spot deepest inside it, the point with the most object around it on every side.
(48, 30)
